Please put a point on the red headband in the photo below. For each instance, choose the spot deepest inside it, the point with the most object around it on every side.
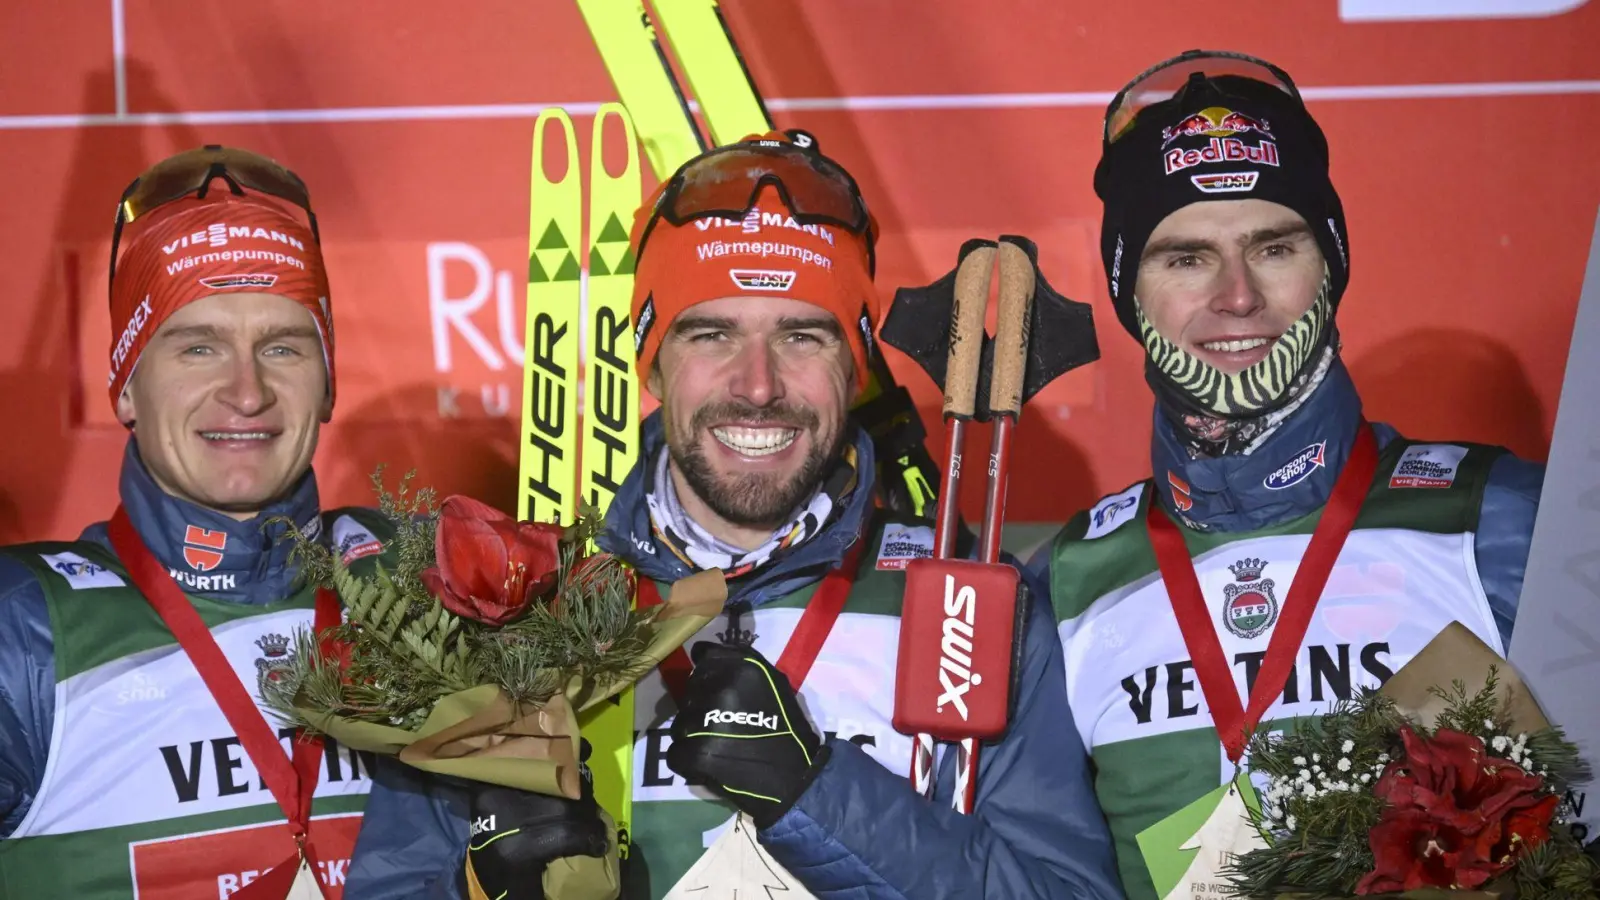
(191, 249)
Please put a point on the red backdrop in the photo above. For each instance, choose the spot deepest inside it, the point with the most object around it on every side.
(1463, 148)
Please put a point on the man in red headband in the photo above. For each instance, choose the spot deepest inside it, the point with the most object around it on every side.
(134, 760)
(765, 759)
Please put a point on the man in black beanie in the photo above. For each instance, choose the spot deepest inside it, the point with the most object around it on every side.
(1286, 552)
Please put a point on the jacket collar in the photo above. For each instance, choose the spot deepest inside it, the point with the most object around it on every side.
(1289, 474)
(211, 554)
(628, 534)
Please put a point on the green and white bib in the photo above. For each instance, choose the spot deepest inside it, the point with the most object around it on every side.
(1406, 571)
(849, 693)
(147, 792)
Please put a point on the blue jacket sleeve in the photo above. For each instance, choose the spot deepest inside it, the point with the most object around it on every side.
(27, 691)
(1505, 531)
(413, 837)
(1036, 832)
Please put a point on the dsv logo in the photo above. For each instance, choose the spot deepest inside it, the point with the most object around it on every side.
(955, 647)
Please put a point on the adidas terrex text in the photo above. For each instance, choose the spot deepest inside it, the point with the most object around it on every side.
(955, 646)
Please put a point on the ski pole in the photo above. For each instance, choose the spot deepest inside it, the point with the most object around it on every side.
(1007, 370)
(960, 404)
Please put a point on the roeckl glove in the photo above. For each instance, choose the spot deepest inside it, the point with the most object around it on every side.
(740, 732)
(516, 834)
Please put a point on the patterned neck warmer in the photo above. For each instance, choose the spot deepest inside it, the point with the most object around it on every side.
(1230, 413)
(1258, 389)
(700, 550)
(1207, 437)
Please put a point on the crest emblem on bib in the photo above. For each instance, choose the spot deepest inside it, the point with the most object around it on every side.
(276, 660)
(1249, 607)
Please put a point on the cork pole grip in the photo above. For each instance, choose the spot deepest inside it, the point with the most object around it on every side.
(966, 332)
(1011, 331)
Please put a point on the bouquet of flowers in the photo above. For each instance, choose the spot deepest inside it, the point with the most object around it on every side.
(473, 655)
(1419, 791)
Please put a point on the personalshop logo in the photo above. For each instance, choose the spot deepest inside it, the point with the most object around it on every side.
(1298, 468)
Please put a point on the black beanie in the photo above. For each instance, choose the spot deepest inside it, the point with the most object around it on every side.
(1226, 137)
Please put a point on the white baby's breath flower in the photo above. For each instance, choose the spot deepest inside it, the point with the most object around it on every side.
(1316, 757)
(1500, 743)
(1489, 724)
(1365, 778)
(1348, 746)
(1344, 765)
(1289, 823)
(1300, 760)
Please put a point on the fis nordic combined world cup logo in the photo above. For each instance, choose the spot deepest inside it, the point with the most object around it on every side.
(1225, 128)
(1249, 606)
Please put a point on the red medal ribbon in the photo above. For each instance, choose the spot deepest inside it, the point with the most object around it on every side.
(1233, 722)
(804, 645)
(292, 785)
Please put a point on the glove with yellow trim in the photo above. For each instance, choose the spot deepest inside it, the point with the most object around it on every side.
(740, 731)
(516, 834)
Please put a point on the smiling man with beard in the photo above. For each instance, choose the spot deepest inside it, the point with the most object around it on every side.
(768, 761)
(1275, 507)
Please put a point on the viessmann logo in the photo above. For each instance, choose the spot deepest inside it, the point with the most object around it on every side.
(218, 234)
(955, 647)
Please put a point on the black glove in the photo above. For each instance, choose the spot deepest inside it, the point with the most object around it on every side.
(740, 732)
(516, 834)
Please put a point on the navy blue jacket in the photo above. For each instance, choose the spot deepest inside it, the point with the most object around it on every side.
(858, 831)
(255, 569)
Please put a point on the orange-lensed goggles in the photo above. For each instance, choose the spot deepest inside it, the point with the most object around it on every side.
(727, 181)
(1166, 80)
(193, 171)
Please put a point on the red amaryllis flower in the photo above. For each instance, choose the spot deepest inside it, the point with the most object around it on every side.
(1411, 850)
(490, 566)
(1456, 816)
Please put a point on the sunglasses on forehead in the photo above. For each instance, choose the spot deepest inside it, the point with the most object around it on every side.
(1166, 80)
(727, 181)
(193, 172)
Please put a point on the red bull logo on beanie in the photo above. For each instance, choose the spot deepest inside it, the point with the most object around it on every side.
(1225, 128)
(1215, 121)
(1218, 150)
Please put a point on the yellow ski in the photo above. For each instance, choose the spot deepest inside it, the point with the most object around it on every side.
(717, 74)
(633, 56)
(549, 455)
(610, 421)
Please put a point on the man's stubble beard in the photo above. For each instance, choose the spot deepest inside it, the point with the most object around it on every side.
(752, 501)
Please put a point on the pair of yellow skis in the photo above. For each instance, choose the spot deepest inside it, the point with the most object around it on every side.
(568, 453)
